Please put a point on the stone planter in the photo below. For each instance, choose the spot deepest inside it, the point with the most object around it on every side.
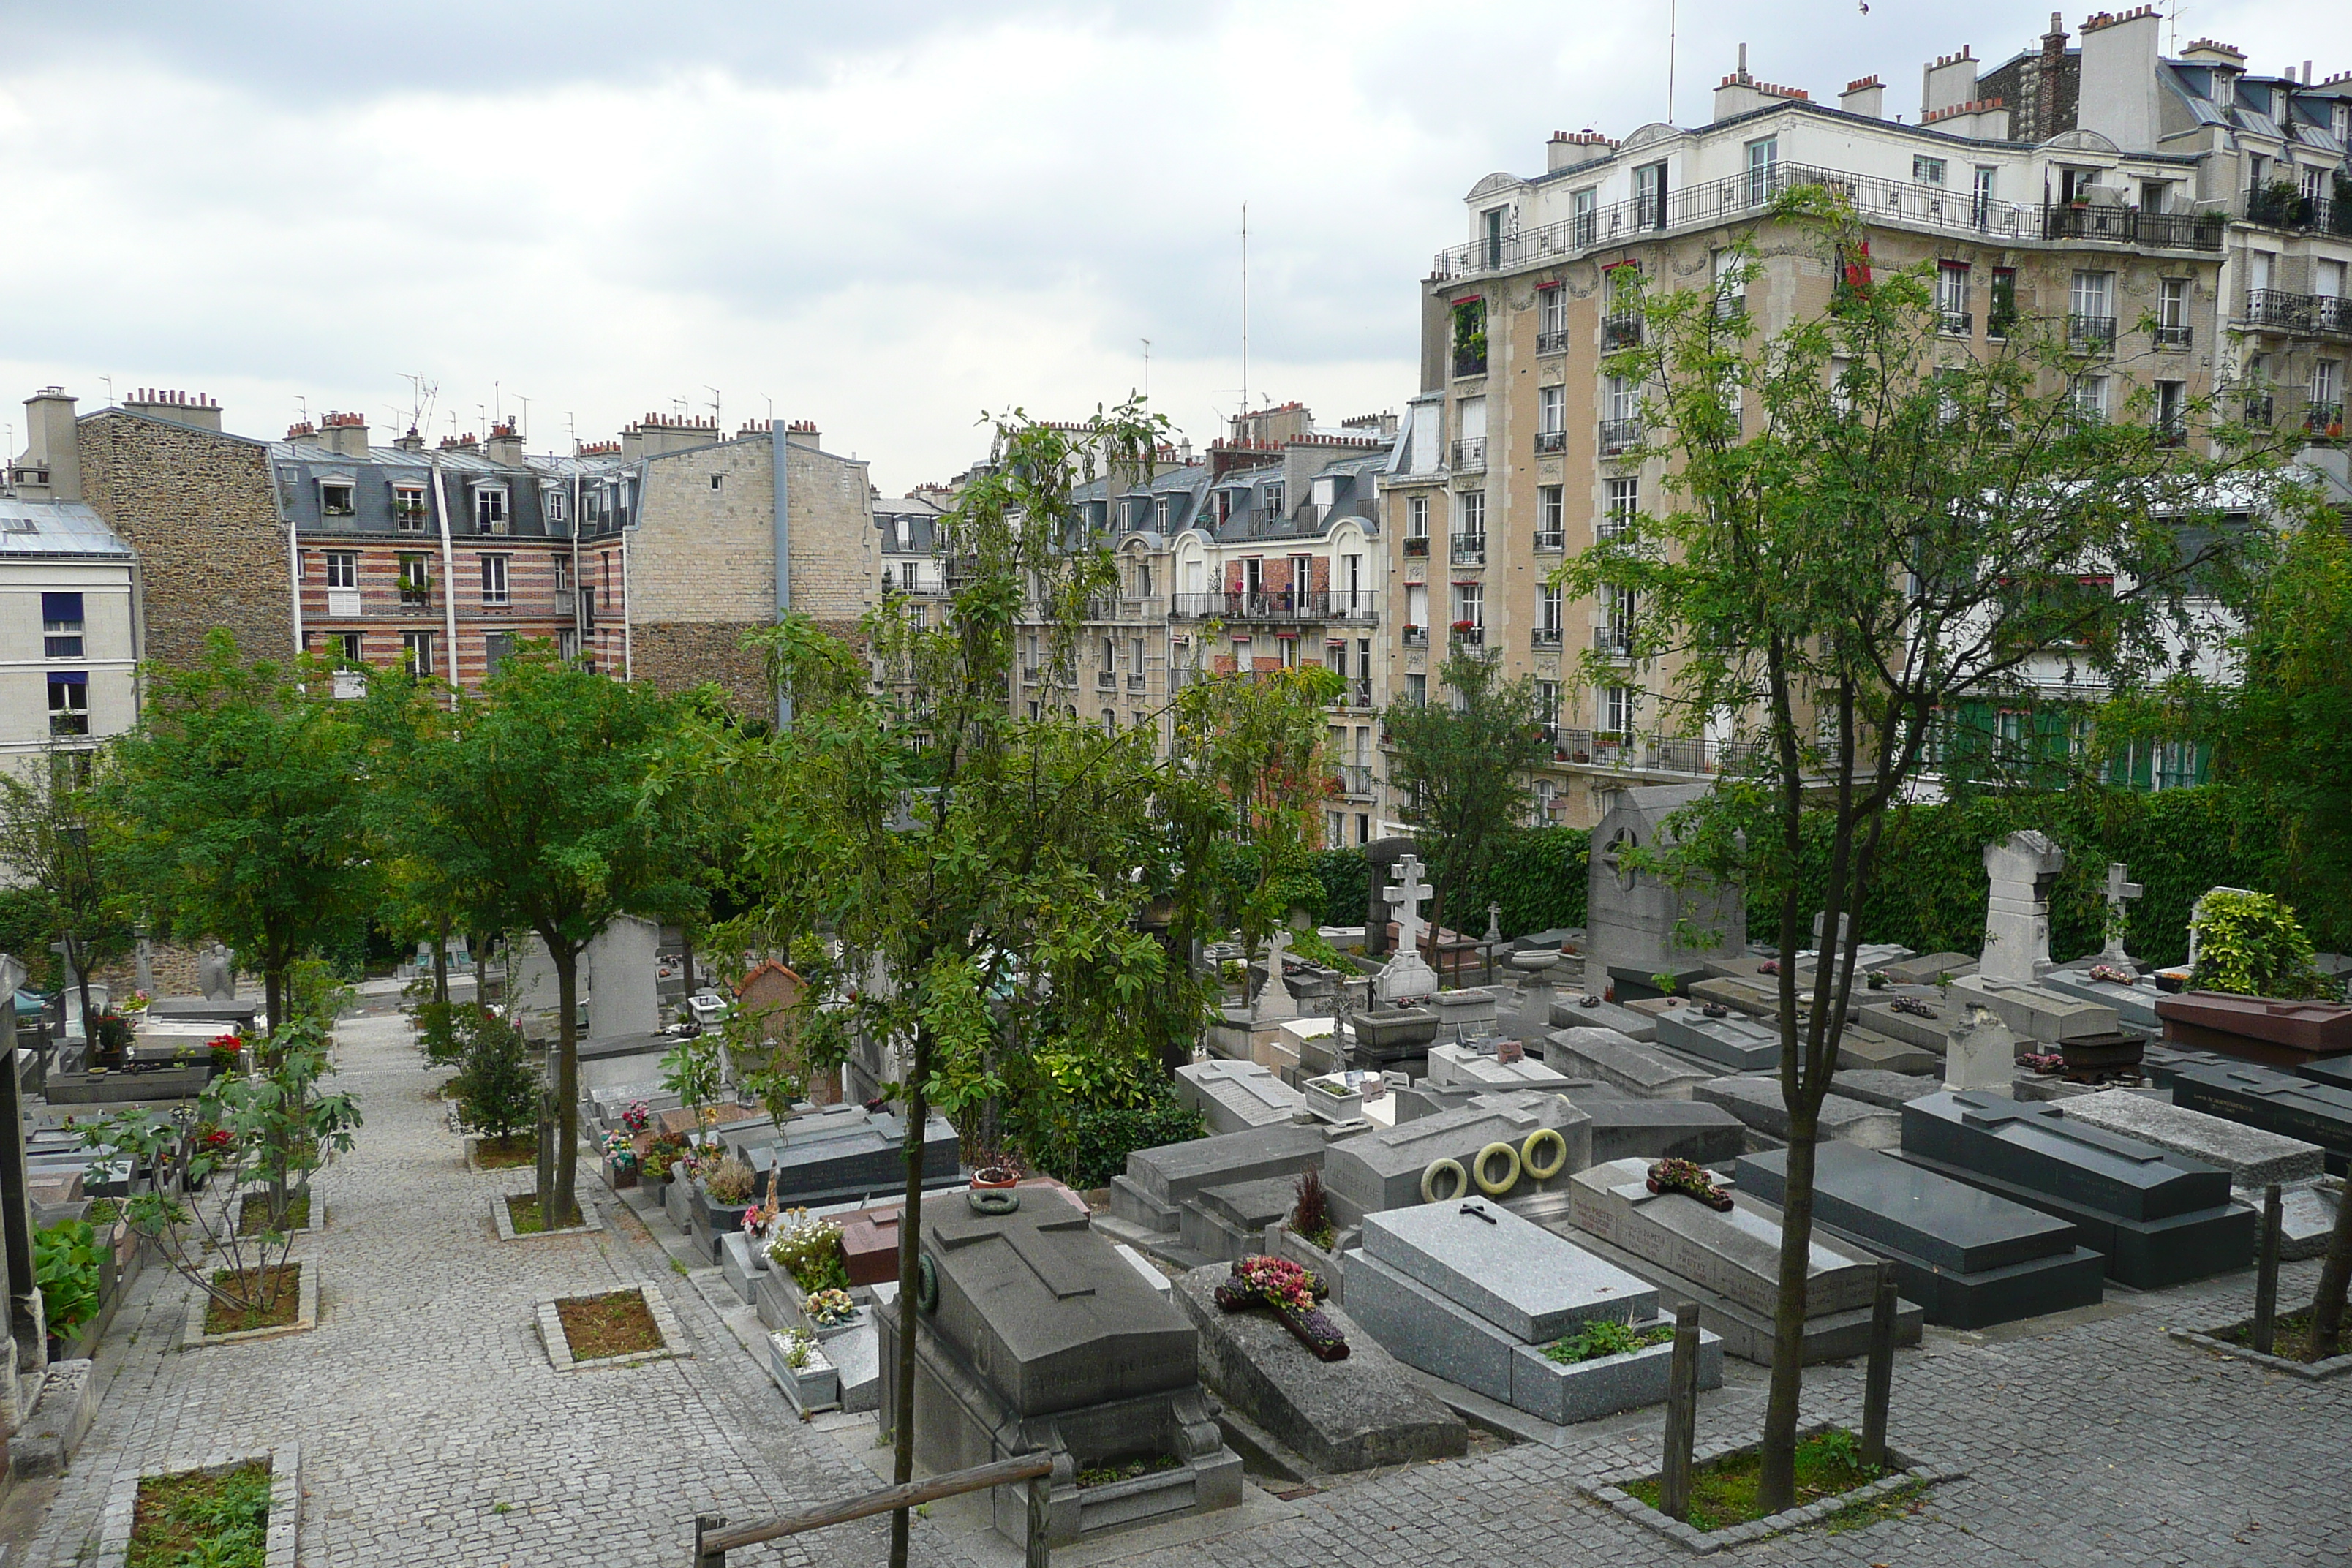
(812, 1386)
(591, 1219)
(1587, 1390)
(677, 1202)
(712, 1220)
(285, 1505)
(1903, 1471)
(306, 1314)
(620, 1177)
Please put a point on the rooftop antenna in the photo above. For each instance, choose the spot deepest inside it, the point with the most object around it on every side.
(572, 428)
(1246, 307)
(526, 414)
(1672, 19)
(422, 394)
(109, 389)
(718, 420)
(771, 407)
(302, 409)
(498, 402)
(1146, 369)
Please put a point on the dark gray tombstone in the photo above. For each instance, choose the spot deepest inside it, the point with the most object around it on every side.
(842, 1154)
(1970, 1259)
(2159, 1218)
(2271, 1099)
(1378, 855)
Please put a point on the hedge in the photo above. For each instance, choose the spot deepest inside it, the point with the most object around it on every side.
(1931, 894)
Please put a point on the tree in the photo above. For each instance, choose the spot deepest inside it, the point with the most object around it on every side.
(1866, 530)
(528, 796)
(984, 875)
(242, 810)
(1463, 768)
(51, 844)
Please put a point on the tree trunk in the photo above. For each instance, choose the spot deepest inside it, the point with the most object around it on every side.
(441, 965)
(480, 947)
(1776, 1486)
(2335, 1275)
(910, 1251)
(75, 961)
(686, 939)
(567, 1079)
(273, 990)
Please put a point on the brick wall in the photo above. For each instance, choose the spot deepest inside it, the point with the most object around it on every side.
(196, 506)
(676, 655)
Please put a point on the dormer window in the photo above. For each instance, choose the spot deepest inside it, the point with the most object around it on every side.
(1277, 500)
(1162, 508)
(489, 509)
(335, 498)
(408, 508)
(554, 503)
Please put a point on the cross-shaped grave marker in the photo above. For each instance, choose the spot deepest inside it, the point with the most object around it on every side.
(1408, 974)
(1274, 1002)
(2120, 892)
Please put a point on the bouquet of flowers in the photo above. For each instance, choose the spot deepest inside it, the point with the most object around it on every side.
(2113, 975)
(1292, 1292)
(1689, 1179)
(830, 1308)
(620, 1147)
(637, 1118)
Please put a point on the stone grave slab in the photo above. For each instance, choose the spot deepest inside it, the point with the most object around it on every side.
(1453, 1064)
(1229, 1222)
(1584, 1010)
(2257, 1028)
(1757, 1101)
(1233, 1096)
(1388, 1036)
(1352, 1415)
(2134, 1005)
(1883, 1017)
(2034, 1014)
(1980, 1053)
(1633, 983)
(1866, 1050)
(2336, 1072)
(1160, 1181)
(1427, 1099)
(1610, 1057)
(1039, 1336)
(1928, 968)
(2253, 1157)
(2161, 1062)
(1662, 1128)
(1743, 1045)
(2275, 1101)
(1435, 1290)
(842, 1154)
(1891, 1090)
(1759, 998)
(1381, 1169)
(1970, 1259)
(2159, 1218)
(1736, 1253)
(1465, 1010)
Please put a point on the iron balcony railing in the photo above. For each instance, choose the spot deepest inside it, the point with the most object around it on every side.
(1544, 636)
(1621, 330)
(1417, 548)
(2128, 226)
(2172, 432)
(1470, 455)
(1135, 680)
(1469, 362)
(2283, 206)
(1416, 637)
(1278, 605)
(1554, 342)
(2277, 308)
(1469, 549)
(1470, 637)
(1876, 200)
(1551, 538)
(1355, 778)
(1106, 680)
(2323, 419)
(2091, 334)
(1957, 323)
(1551, 441)
(1619, 435)
(1614, 640)
(1657, 753)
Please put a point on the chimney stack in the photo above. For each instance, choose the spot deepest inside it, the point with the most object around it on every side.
(176, 407)
(50, 468)
(504, 446)
(345, 434)
(1867, 97)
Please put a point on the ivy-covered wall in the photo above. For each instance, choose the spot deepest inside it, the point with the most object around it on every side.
(1932, 890)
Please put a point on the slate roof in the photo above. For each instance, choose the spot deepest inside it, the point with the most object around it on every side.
(55, 528)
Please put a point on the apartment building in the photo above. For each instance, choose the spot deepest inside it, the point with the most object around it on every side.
(68, 635)
(2149, 191)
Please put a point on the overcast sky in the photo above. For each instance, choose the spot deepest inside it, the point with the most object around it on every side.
(883, 216)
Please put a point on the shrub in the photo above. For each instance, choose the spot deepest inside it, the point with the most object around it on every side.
(1088, 1145)
(2252, 944)
(65, 1265)
(496, 1090)
(1311, 1215)
(437, 1035)
(730, 1181)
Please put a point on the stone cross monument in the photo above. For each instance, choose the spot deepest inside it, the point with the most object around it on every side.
(2120, 894)
(2024, 867)
(1275, 1003)
(1408, 974)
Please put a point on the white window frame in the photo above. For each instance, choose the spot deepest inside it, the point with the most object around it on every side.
(551, 503)
(1470, 604)
(1416, 517)
(351, 493)
(417, 652)
(1621, 500)
(492, 513)
(1551, 318)
(343, 568)
(1551, 510)
(1551, 410)
(1470, 514)
(497, 580)
(407, 518)
(1763, 169)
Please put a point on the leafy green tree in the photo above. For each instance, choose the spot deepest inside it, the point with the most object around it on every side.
(495, 1086)
(1463, 768)
(529, 797)
(985, 874)
(241, 804)
(1865, 528)
(51, 841)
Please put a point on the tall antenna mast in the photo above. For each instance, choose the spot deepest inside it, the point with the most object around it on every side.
(1672, 7)
(1146, 369)
(1246, 307)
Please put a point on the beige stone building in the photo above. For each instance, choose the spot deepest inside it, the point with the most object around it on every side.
(2175, 214)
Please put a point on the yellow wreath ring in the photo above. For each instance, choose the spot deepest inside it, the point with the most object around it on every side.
(1537, 1138)
(1436, 1169)
(1478, 1169)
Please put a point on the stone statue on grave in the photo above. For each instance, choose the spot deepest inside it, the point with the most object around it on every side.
(2120, 892)
(2023, 867)
(143, 964)
(1275, 1003)
(1408, 974)
(216, 973)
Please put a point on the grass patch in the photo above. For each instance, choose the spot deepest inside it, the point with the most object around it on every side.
(615, 1324)
(220, 1317)
(1102, 1475)
(1605, 1336)
(1723, 1492)
(508, 1152)
(2289, 1336)
(104, 1212)
(1896, 1504)
(197, 1520)
(522, 1209)
(253, 1212)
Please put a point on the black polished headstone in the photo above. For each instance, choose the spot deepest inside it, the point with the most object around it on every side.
(2336, 1072)
(1968, 1258)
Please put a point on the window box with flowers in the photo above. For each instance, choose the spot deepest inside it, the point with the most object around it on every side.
(1469, 633)
(1416, 637)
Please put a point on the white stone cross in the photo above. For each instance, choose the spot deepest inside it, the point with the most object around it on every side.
(1405, 900)
(2119, 893)
(1274, 1002)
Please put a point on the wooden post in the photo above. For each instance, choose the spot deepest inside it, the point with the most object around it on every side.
(704, 1524)
(2266, 1273)
(1682, 1414)
(1039, 1547)
(1878, 1381)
